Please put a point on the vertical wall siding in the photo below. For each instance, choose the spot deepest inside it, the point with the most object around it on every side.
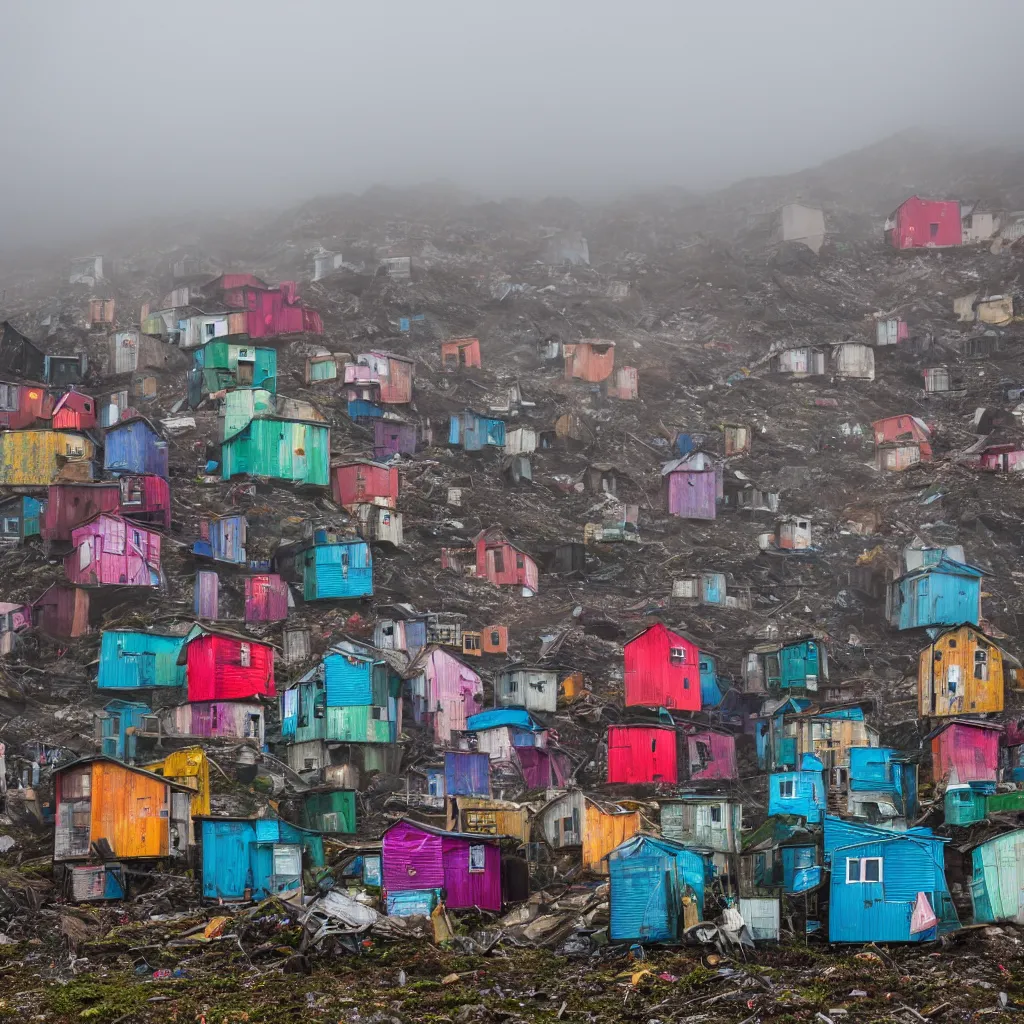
(652, 679)
(215, 671)
(642, 754)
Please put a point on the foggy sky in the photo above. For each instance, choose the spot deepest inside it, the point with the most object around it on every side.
(114, 110)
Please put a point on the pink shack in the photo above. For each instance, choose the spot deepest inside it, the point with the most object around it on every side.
(445, 692)
(110, 551)
(967, 749)
(422, 865)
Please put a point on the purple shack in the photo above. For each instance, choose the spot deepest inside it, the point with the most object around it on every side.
(423, 866)
(391, 438)
(694, 486)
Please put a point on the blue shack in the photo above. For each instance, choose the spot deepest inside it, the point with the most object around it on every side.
(352, 696)
(135, 446)
(966, 802)
(650, 879)
(133, 660)
(222, 539)
(947, 593)
(710, 691)
(882, 785)
(783, 853)
(19, 519)
(474, 432)
(336, 567)
(774, 748)
(252, 858)
(120, 722)
(879, 877)
(800, 793)
(467, 773)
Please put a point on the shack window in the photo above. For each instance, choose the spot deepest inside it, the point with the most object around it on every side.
(716, 814)
(863, 869)
(471, 641)
(12, 524)
(244, 655)
(787, 789)
(933, 230)
(320, 704)
(677, 655)
(9, 397)
(513, 684)
(477, 858)
(499, 560)
(519, 562)
(495, 638)
(981, 665)
(952, 645)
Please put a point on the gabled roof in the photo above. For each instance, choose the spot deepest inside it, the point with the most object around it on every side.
(416, 666)
(669, 846)
(692, 462)
(946, 565)
(199, 630)
(969, 722)
(443, 833)
(116, 517)
(134, 419)
(83, 762)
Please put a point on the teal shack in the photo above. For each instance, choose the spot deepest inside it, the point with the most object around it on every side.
(650, 879)
(997, 879)
(119, 724)
(19, 519)
(336, 567)
(253, 858)
(967, 802)
(296, 451)
(710, 690)
(328, 810)
(352, 696)
(947, 593)
(797, 667)
(227, 364)
(131, 659)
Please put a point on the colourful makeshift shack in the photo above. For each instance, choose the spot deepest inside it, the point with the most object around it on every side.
(293, 450)
(662, 670)
(364, 482)
(460, 353)
(19, 519)
(119, 723)
(136, 814)
(38, 458)
(143, 499)
(133, 659)
(135, 446)
(695, 485)
(445, 692)
(643, 754)
(997, 879)
(422, 866)
(961, 672)
(947, 593)
(111, 551)
(924, 224)
(657, 889)
(596, 826)
(965, 750)
(227, 364)
(253, 858)
(222, 665)
(335, 567)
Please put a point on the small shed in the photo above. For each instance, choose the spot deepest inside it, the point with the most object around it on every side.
(253, 858)
(417, 858)
(135, 659)
(321, 367)
(946, 593)
(336, 567)
(460, 353)
(391, 438)
(574, 819)
(643, 754)
(737, 439)
(592, 360)
(266, 598)
(705, 822)
(694, 486)
(118, 723)
(891, 331)
(135, 446)
(657, 889)
(626, 387)
(793, 533)
(799, 793)
(222, 538)
(62, 611)
(328, 809)
(661, 670)
(364, 482)
(997, 879)
(474, 432)
(1002, 458)
(529, 686)
(965, 750)
(488, 816)
(19, 519)
(111, 551)
(961, 672)
(223, 665)
(799, 361)
(937, 380)
(852, 360)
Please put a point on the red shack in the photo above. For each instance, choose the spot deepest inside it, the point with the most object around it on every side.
(966, 749)
(21, 405)
(222, 665)
(924, 224)
(501, 562)
(62, 611)
(460, 352)
(143, 499)
(74, 411)
(662, 670)
(591, 360)
(642, 753)
(364, 482)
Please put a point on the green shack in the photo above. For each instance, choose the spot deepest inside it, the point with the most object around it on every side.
(230, 364)
(328, 810)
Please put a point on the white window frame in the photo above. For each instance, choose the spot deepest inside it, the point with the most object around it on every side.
(677, 655)
(477, 858)
(787, 789)
(859, 870)
(245, 655)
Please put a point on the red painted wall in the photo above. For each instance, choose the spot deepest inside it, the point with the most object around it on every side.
(641, 753)
(927, 223)
(653, 679)
(216, 672)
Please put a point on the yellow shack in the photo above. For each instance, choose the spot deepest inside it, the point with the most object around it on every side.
(38, 458)
(963, 672)
(188, 767)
